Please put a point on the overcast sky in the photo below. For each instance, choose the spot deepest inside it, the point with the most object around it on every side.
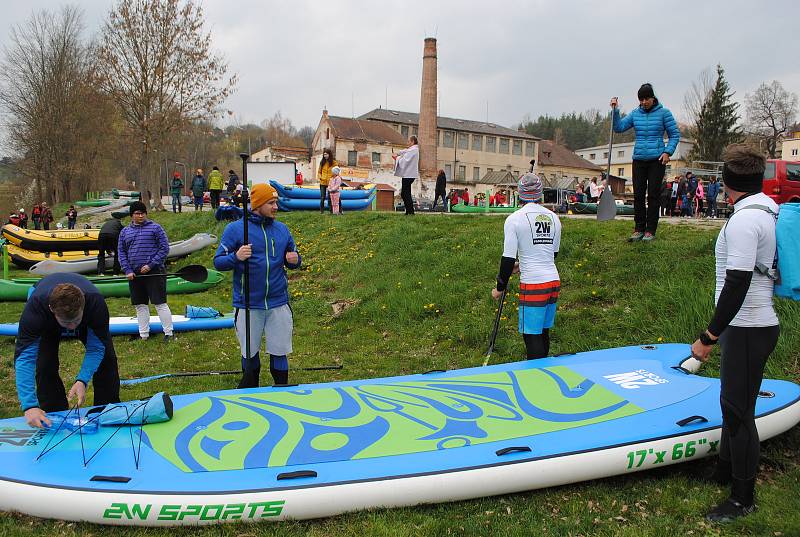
(521, 57)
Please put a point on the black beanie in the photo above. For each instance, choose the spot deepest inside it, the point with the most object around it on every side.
(742, 182)
(646, 91)
(138, 206)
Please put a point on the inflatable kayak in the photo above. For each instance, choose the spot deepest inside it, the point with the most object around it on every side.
(25, 259)
(461, 208)
(591, 208)
(87, 264)
(307, 192)
(16, 289)
(54, 240)
(122, 326)
(93, 203)
(308, 451)
(305, 204)
(125, 193)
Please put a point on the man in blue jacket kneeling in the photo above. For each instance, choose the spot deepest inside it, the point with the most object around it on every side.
(271, 250)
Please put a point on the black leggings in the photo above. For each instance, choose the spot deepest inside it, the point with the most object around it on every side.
(537, 345)
(744, 354)
(647, 178)
(323, 193)
(49, 387)
(405, 193)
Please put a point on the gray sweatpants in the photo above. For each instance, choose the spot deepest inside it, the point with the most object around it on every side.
(276, 324)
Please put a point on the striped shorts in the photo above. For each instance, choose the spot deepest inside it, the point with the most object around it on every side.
(537, 306)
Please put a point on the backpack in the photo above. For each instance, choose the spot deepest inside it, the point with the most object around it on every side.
(785, 270)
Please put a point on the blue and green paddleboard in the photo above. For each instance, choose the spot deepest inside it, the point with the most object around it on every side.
(318, 450)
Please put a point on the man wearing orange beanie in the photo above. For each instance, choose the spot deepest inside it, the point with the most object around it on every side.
(270, 252)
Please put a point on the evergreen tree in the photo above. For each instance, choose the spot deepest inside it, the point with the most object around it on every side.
(716, 125)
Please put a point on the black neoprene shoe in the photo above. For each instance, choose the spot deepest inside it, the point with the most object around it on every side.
(728, 511)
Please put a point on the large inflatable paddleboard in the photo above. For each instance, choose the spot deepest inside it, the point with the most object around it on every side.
(119, 326)
(319, 450)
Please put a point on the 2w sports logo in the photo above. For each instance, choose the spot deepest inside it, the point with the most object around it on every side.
(633, 380)
(542, 229)
(21, 437)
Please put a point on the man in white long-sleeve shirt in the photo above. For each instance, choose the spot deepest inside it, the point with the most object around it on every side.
(534, 234)
(407, 167)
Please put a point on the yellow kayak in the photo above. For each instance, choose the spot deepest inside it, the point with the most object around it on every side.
(54, 240)
(25, 259)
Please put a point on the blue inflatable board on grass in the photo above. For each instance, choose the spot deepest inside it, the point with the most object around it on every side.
(311, 451)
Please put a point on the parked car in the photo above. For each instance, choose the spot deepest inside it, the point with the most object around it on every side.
(782, 181)
(419, 204)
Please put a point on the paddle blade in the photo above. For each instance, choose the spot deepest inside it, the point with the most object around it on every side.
(193, 273)
(607, 208)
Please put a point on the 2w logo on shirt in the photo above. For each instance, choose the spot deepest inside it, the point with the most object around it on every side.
(542, 230)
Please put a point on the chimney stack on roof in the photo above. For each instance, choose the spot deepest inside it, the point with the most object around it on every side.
(428, 111)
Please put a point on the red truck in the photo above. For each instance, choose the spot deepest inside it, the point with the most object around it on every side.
(782, 181)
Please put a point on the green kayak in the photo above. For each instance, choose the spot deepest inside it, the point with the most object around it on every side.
(93, 203)
(591, 208)
(461, 208)
(125, 193)
(16, 290)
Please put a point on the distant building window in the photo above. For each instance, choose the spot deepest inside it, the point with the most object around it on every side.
(794, 152)
(503, 145)
(376, 158)
(462, 173)
(448, 139)
(491, 142)
(463, 140)
(404, 131)
(476, 173)
(352, 158)
(415, 131)
(448, 171)
(328, 134)
(605, 154)
(477, 142)
(620, 172)
(529, 149)
(592, 156)
(396, 127)
(620, 153)
(489, 170)
(517, 147)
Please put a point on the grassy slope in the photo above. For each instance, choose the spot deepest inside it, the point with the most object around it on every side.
(418, 290)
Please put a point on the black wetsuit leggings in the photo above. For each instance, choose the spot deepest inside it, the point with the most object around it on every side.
(744, 354)
(50, 388)
(537, 345)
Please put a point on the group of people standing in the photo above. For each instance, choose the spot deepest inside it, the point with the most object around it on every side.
(687, 196)
(214, 185)
(42, 217)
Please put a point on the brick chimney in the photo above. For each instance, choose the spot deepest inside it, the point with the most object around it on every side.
(428, 112)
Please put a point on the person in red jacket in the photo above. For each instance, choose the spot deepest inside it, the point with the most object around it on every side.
(465, 196)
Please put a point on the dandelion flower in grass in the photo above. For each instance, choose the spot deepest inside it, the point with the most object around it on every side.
(660, 339)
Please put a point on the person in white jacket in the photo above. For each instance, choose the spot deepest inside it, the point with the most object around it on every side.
(407, 166)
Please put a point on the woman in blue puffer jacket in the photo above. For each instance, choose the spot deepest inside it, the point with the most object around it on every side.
(650, 156)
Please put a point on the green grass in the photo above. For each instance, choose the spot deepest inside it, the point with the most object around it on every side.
(416, 292)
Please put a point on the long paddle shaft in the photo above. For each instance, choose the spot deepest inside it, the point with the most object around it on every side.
(496, 326)
(191, 273)
(607, 208)
(141, 380)
(246, 239)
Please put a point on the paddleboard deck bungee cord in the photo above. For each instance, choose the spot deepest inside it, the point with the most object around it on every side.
(309, 451)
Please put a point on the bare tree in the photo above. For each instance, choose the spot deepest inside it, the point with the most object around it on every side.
(57, 118)
(698, 93)
(307, 135)
(157, 63)
(771, 110)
